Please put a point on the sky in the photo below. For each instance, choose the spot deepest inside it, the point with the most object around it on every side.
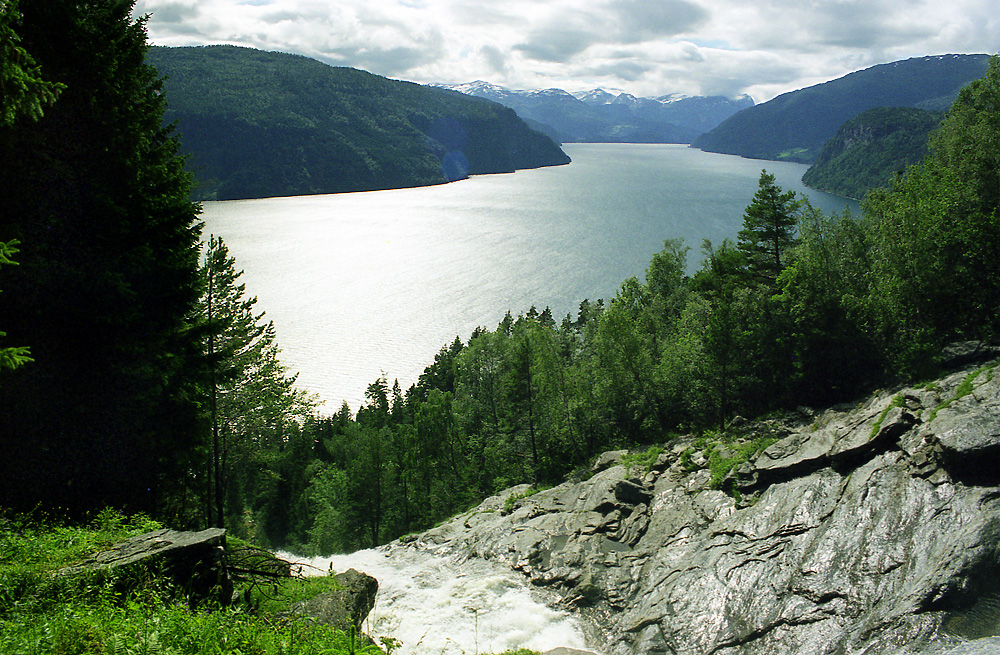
(644, 47)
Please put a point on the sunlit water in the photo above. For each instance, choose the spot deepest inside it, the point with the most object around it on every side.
(363, 283)
(438, 605)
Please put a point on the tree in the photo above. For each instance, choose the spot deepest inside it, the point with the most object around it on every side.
(934, 238)
(768, 229)
(95, 192)
(23, 89)
(23, 92)
(251, 397)
(12, 356)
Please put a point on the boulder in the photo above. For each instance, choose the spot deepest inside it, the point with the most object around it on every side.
(348, 606)
(195, 561)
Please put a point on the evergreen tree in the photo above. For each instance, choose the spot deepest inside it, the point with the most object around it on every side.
(768, 229)
(251, 398)
(12, 356)
(24, 91)
(94, 190)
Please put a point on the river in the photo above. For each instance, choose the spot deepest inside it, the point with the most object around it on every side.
(362, 284)
(439, 604)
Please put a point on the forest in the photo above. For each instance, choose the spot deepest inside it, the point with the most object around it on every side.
(872, 148)
(138, 372)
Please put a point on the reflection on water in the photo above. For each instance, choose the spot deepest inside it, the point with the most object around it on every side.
(362, 283)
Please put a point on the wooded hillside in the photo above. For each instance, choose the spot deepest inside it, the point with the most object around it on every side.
(260, 124)
(794, 126)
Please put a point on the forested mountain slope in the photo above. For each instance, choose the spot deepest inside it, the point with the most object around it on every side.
(871, 148)
(794, 126)
(262, 124)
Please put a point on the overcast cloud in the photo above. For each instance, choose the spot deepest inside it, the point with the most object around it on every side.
(644, 47)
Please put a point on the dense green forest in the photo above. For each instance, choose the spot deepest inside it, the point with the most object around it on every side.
(794, 126)
(140, 374)
(259, 124)
(872, 148)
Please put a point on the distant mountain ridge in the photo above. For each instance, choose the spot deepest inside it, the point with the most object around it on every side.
(258, 124)
(795, 126)
(600, 116)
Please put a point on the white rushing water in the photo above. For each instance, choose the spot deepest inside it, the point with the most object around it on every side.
(439, 605)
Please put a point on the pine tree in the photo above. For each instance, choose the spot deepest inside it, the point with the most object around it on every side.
(768, 229)
(251, 398)
(24, 91)
(95, 192)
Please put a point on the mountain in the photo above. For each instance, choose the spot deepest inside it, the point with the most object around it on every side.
(598, 116)
(259, 124)
(795, 126)
(871, 148)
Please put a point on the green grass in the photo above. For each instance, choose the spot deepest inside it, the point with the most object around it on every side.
(966, 387)
(742, 452)
(897, 401)
(636, 463)
(138, 613)
(508, 504)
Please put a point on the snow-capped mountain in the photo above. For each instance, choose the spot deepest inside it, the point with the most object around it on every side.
(600, 115)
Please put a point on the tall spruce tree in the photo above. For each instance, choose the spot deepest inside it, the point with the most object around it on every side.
(95, 192)
(251, 398)
(768, 229)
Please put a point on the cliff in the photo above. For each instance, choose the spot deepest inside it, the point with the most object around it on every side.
(869, 529)
(872, 148)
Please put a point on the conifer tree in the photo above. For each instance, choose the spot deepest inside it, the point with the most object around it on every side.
(251, 398)
(95, 192)
(768, 229)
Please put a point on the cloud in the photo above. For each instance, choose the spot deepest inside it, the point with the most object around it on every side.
(557, 44)
(646, 47)
(646, 19)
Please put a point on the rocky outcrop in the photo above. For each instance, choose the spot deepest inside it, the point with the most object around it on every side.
(871, 529)
(194, 561)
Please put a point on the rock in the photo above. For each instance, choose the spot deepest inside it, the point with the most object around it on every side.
(869, 531)
(606, 460)
(963, 353)
(195, 561)
(347, 606)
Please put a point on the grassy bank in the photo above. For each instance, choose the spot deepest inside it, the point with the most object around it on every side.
(140, 612)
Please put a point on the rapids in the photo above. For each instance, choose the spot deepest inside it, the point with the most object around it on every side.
(441, 605)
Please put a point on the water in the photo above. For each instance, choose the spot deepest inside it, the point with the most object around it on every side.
(434, 604)
(364, 283)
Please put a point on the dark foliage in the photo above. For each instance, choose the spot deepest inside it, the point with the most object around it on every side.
(96, 194)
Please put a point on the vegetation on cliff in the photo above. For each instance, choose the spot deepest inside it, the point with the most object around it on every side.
(259, 124)
(794, 126)
(871, 149)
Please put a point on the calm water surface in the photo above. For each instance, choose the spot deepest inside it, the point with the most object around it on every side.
(364, 283)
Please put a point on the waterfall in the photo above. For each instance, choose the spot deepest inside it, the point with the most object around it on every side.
(436, 604)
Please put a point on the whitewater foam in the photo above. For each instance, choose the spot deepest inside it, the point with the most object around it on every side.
(436, 604)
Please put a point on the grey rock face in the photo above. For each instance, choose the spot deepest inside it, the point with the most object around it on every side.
(194, 560)
(347, 606)
(870, 530)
